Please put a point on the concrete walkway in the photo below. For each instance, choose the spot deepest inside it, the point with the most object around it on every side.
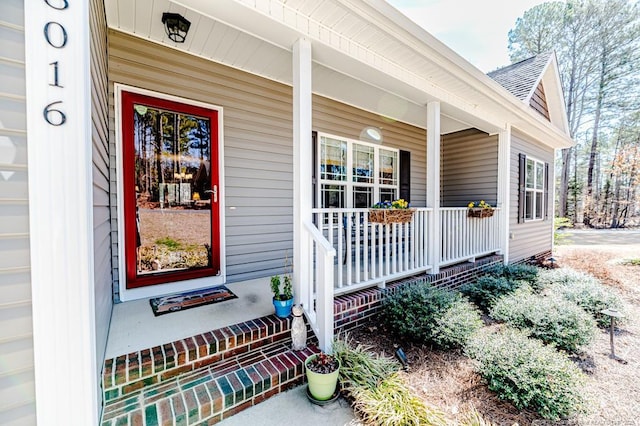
(293, 408)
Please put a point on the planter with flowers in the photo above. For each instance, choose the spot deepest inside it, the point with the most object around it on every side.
(479, 209)
(322, 371)
(397, 211)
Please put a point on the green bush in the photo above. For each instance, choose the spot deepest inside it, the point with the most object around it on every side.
(421, 313)
(455, 326)
(552, 319)
(411, 311)
(515, 272)
(486, 290)
(584, 290)
(528, 373)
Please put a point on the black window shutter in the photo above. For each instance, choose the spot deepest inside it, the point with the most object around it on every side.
(522, 175)
(546, 191)
(405, 175)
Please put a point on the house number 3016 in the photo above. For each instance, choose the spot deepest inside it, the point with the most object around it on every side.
(55, 34)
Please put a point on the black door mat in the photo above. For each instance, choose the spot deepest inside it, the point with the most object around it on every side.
(190, 299)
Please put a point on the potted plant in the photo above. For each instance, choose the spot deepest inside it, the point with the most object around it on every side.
(322, 371)
(282, 300)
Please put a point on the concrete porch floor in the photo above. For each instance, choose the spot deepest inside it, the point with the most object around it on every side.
(134, 327)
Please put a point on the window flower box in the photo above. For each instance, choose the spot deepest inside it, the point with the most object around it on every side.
(481, 209)
(480, 212)
(391, 212)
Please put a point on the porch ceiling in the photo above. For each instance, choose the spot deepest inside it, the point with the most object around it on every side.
(365, 54)
(242, 38)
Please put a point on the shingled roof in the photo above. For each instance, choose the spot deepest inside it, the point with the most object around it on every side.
(521, 78)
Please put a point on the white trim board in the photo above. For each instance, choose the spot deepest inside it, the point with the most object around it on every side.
(57, 73)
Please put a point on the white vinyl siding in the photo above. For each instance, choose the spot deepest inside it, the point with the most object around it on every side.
(469, 170)
(17, 393)
(101, 214)
(531, 237)
(258, 149)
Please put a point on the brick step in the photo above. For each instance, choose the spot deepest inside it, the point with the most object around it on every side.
(211, 393)
(126, 374)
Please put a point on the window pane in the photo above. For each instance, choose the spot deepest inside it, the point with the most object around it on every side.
(388, 167)
(387, 194)
(333, 158)
(363, 158)
(362, 197)
(539, 175)
(173, 190)
(539, 206)
(530, 174)
(333, 196)
(528, 205)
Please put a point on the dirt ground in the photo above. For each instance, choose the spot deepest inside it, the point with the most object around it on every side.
(446, 379)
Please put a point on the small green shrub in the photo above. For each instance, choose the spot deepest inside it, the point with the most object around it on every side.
(552, 319)
(486, 290)
(583, 289)
(421, 313)
(455, 326)
(411, 311)
(391, 403)
(528, 373)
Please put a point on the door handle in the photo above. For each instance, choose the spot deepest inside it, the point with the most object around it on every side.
(215, 193)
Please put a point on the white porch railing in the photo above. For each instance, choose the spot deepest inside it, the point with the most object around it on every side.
(371, 253)
(317, 288)
(345, 252)
(464, 238)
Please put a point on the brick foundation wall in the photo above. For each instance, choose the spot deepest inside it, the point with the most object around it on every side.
(355, 309)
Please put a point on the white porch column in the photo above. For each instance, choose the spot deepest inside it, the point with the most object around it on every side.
(58, 105)
(433, 183)
(302, 163)
(503, 199)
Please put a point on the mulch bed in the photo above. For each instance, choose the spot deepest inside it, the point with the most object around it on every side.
(446, 379)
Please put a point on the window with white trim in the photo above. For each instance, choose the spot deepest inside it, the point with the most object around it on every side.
(534, 190)
(355, 174)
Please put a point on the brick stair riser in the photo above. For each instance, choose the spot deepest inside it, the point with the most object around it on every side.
(211, 396)
(128, 373)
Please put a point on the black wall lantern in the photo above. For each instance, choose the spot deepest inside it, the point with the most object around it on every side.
(176, 26)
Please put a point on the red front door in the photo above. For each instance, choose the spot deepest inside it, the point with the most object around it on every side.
(171, 190)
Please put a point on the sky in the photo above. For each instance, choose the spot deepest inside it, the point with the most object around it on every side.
(475, 29)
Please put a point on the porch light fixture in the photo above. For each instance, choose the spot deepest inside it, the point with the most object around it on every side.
(176, 26)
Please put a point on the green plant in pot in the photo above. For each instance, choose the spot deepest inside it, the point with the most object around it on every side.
(282, 299)
(322, 371)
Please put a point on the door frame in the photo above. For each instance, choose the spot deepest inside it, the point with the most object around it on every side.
(125, 293)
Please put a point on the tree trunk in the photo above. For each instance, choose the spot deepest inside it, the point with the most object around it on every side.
(565, 176)
(589, 208)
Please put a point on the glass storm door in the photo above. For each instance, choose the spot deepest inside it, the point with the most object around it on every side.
(171, 192)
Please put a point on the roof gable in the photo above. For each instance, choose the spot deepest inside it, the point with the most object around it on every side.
(536, 82)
